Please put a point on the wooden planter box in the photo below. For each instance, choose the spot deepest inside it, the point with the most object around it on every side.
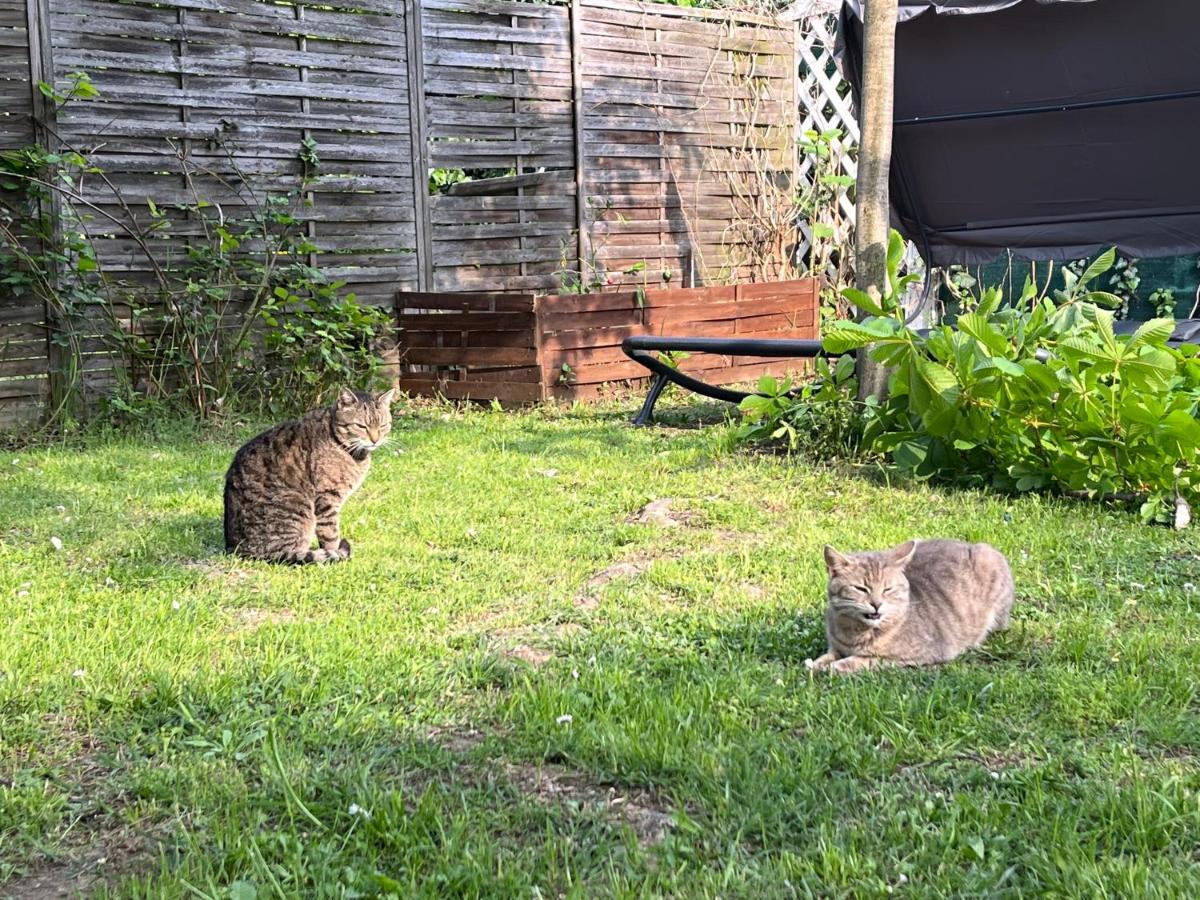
(524, 348)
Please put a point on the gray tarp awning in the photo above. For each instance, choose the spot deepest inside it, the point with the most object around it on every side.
(910, 8)
(1053, 128)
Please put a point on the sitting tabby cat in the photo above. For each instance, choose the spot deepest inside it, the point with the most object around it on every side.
(286, 486)
(919, 604)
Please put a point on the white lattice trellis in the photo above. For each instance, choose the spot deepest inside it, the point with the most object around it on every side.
(825, 105)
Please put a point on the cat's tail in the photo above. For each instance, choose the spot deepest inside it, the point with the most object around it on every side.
(231, 541)
(311, 557)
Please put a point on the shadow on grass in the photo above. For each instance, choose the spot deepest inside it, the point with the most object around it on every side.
(190, 533)
(38, 500)
(172, 541)
(693, 416)
(795, 639)
(577, 436)
(789, 640)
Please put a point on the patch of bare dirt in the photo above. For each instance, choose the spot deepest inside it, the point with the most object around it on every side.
(638, 808)
(661, 514)
(218, 570)
(753, 591)
(1168, 753)
(628, 569)
(723, 539)
(993, 762)
(101, 859)
(97, 849)
(251, 618)
(533, 644)
(542, 632)
(637, 565)
(534, 656)
(585, 602)
(71, 749)
(455, 739)
(586, 599)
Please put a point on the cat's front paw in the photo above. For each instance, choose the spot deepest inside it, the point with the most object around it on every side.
(851, 664)
(344, 549)
(821, 662)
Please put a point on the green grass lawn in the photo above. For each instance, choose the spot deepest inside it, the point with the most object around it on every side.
(515, 689)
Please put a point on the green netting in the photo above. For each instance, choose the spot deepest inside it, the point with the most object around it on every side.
(1178, 274)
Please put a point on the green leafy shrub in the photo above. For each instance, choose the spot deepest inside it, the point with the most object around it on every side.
(196, 332)
(821, 417)
(441, 180)
(1163, 301)
(818, 418)
(1038, 394)
(318, 340)
(819, 204)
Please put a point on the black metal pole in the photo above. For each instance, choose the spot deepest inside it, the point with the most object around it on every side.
(1046, 108)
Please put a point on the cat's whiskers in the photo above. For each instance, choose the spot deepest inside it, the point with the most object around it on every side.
(855, 609)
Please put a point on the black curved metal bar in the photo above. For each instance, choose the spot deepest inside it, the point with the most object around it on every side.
(641, 348)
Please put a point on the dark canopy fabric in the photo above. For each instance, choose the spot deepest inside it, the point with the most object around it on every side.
(910, 8)
(1052, 128)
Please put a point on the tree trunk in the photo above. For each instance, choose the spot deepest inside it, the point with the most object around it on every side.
(871, 225)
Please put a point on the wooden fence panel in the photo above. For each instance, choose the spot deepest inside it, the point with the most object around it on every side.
(612, 142)
(498, 93)
(688, 136)
(227, 91)
(16, 128)
(24, 356)
(212, 100)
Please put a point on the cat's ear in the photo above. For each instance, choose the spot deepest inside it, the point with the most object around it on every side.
(386, 398)
(347, 397)
(900, 556)
(835, 561)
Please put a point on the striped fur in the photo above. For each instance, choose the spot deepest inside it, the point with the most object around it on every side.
(286, 487)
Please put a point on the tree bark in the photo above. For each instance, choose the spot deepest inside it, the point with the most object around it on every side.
(871, 207)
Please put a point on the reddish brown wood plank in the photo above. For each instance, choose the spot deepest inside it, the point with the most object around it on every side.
(466, 321)
(469, 356)
(499, 302)
(511, 392)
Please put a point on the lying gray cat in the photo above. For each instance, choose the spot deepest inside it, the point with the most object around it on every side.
(919, 604)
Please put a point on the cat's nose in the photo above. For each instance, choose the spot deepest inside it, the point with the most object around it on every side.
(374, 436)
(875, 605)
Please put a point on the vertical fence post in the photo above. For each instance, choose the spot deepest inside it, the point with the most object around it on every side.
(310, 225)
(539, 353)
(419, 139)
(42, 110)
(793, 269)
(584, 242)
(41, 67)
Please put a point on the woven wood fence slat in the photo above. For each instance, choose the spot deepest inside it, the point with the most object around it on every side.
(606, 138)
